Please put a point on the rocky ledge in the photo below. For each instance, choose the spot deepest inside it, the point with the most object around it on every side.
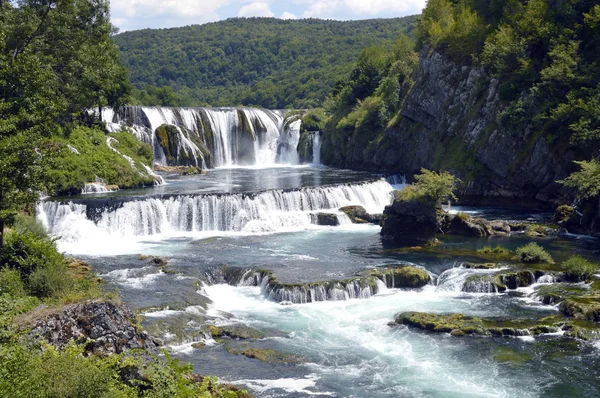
(363, 285)
(104, 326)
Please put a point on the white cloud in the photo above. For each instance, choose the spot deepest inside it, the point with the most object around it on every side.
(139, 14)
(257, 9)
(288, 15)
(361, 8)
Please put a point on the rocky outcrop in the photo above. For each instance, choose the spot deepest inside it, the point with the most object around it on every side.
(453, 119)
(359, 215)
(468, 226)
(361, 286)
(327, 219)
(461, 325)
(105, 327)
(409, 220)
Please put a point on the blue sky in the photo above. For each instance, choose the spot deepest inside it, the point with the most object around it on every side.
(140, 14)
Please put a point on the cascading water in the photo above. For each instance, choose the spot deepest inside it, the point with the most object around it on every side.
(316, 145)
(232, 136)
(269, 211)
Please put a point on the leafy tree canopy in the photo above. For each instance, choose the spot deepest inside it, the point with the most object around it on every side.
(264, 62)
(56, 61)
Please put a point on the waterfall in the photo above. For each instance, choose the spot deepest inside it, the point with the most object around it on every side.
(316, 146)
(212, 137)
(94, 188)
(467, 280)
(269, 211)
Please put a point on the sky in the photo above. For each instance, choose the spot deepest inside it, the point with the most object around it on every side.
(140, 14)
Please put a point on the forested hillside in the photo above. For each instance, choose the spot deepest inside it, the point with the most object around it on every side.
(505, 94)
(264, 62)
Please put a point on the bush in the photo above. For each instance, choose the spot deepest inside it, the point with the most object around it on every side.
(70, 374)
(532, 253)
(50, 281)
(26, 252)
(493, 250)
(11, 283)
(587, 180)
(430, 187)
(579, 269)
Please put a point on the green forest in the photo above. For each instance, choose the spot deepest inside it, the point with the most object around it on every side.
(544, 55)
(263, 62)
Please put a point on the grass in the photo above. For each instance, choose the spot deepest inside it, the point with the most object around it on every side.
(532, 253)
(579, 269)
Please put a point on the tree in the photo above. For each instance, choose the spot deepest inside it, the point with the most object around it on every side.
(57, 61)
(587, 180)
(430, 187)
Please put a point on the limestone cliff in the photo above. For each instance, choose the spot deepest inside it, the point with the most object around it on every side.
(453, 119)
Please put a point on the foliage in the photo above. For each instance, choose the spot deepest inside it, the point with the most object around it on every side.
(365, 103)
(70, 171)
(545, 54)
(498, 250)
(68, 373)
(265, 62)
(533, 253)
(430, 187)
(436, 187)
(579, 269)
(11, 283)
(314, 120)
(587, 180)
(56, 61)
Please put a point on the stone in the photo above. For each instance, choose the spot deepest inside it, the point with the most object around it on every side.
(459, 325)
(104, 326)
(327, 219)
(411, 220)
(359, 215)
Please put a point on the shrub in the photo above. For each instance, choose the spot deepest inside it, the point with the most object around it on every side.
(579, 269)
(25, 252)
(493, 250)
(463, 216)
(28, 224)
(587, 180)
(11, 283)
(50, 281)
(430, 187)
(533, 253)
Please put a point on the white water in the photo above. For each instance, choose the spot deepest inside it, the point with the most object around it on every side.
(94, 187)
(267, 212)
(350, 345)
(316, 145)
(265, 142)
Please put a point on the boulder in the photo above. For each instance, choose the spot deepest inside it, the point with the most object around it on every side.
(104, 326)
(413, 220)
(359, 215)
(327, 219)
(403, 277)
(464, 225)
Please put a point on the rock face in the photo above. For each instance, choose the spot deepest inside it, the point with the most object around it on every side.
(359, 215)
(452, 120)
(107, 326)
(469, 226)
(412, 220)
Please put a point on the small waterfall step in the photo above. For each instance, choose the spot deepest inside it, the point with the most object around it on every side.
(363, 286)
(268, 211)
